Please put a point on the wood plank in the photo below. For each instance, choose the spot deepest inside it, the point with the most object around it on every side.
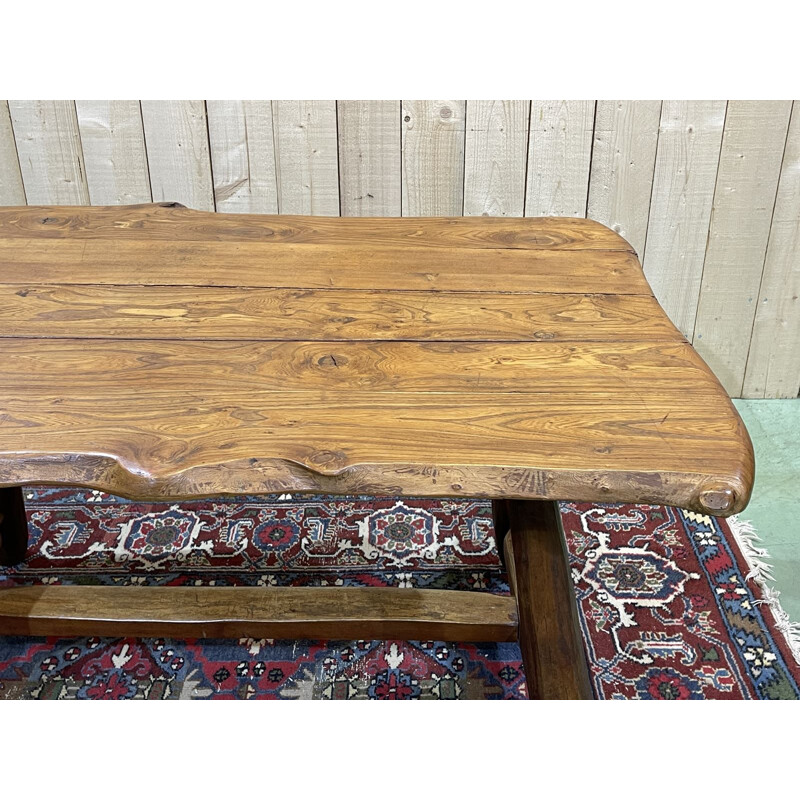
(159, 221)
(318, 314)
(773, 363)
(176, 137)
(243, 156)
(744, 199)
(112, 138)
(369, 158)
(559, 156)
(623, 159)
(550, 639)
(680, 212)
(182, 440)
(128, 367)
(274, 612)
(252, 264)
(306, 152)
(433, 157)
(496, 152)
(12, 192)
(49, 148)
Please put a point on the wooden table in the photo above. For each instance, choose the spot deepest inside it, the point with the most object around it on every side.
(157, 352)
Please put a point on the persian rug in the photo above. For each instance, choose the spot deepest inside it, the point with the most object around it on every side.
(666, 607)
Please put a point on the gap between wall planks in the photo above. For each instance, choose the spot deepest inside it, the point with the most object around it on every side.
(773, 363)
(242, 146)
(707, 192)
(751, 156)
(112, 141)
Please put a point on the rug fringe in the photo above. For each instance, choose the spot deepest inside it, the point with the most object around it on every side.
(761, 574)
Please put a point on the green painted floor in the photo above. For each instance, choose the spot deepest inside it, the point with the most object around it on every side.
(774, 509)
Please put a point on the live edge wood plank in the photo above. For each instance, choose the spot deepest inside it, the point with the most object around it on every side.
(274, 612)
(188, 444)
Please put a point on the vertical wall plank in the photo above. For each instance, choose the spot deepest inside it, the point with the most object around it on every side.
(683, 190)
(749, 166)
(176, 138)
(113, 150)
(12, 192)
(623, 158)
(243, 156)
(306, 151)
(49, 148)
(433, 157)
(369, 158)
(495, 155)
(773, 365)
(559, 155)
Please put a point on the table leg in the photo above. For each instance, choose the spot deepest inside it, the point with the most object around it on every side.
(502, 526)
(13, 526)
(549, 636)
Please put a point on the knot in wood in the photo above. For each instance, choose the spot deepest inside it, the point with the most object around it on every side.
(717, 499)
(332, 361)
(327, 461)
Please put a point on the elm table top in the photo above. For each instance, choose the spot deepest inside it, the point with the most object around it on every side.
(155, 352)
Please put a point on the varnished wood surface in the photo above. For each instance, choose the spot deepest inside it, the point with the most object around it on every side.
(272, 612)
(173, 222)
(155, 351)
(406, 266)
(323, 314)
(549, 636)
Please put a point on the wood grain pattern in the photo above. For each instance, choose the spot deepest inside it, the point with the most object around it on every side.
(559, 156)
(680, 212)
(749, 169)
(112, 139)
(773, 362)
(170, 221)
(306, 152)
(243, 156)
(433, 157)
(592, 396)
(623, 158)
(133, 312)
(369, 158)
(133, 366)
(251, 264)
(49, 148)
(549, 634)
(496, 150)
(176, 137)
(274, 612)
(12, 191)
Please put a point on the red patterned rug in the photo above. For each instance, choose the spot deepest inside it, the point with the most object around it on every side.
(667, 611)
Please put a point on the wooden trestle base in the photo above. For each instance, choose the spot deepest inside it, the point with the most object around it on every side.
(541, 612)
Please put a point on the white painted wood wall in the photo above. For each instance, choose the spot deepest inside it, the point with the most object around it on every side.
(708, 192)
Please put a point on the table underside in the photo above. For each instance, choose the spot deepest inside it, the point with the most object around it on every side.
(157, 352)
